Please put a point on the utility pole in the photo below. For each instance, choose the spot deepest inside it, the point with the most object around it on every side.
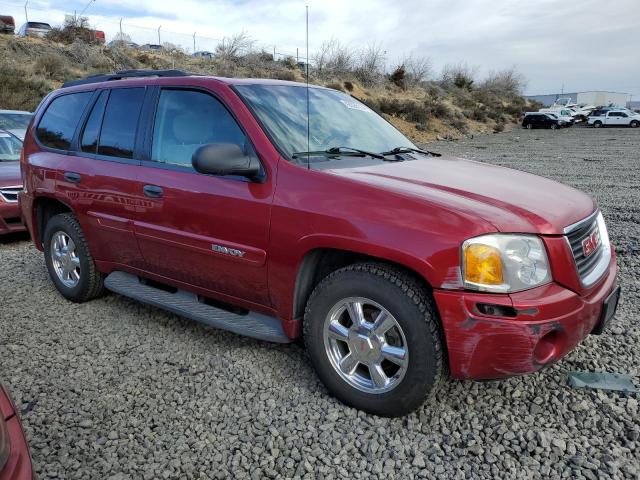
(121, 38)
(159, 43)
(297, 56)
(274, 53)
(26, 14)
(194, 42)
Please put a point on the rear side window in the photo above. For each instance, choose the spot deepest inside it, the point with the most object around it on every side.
(186, 120)
(59, 122)
(89, 142)
(118, 134)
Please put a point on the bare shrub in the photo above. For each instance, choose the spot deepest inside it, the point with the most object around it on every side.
(349, 86)
(370, 65)
(236, 45)
(21, 90)
(334, 59)
(508, 82)
(418, 70)
(460, 75)
(51, 65)
(335, 86)
(74, 28)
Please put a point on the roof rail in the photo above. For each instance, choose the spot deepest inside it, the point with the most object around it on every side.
(122, 74)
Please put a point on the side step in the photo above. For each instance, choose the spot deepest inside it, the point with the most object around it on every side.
(186, 304)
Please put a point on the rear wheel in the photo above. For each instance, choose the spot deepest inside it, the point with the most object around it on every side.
(634, 124)
(68, 260)
(597, 124)
(554, 126)
(373, 338)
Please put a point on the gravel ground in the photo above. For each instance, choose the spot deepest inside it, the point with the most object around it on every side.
(115, 389)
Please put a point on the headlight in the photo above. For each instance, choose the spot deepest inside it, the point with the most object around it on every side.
(504, 263)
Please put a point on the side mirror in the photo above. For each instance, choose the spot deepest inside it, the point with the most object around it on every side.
(225, 159)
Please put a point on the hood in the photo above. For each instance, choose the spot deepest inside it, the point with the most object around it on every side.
(10, 174)
(512, 201)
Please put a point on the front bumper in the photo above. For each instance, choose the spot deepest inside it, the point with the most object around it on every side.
(10, 218)
(549, 322)
(18, 466)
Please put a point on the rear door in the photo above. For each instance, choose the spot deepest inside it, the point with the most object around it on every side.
(202, 230)
(98, 178)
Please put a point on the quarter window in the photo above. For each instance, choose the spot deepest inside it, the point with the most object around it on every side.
(59, 122)
(119, 125)
(186, 120)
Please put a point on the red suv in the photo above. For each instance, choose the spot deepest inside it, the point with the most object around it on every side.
(274, 211)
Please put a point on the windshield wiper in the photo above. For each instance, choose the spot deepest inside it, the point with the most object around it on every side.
(398, 150)
(340, 151)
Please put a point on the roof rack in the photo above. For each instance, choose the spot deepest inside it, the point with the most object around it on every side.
(122, 74)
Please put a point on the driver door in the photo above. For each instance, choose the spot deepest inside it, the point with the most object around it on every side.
(202, 230)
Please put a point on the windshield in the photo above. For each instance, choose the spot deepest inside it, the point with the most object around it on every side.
(14, 121)
(10, 148)
(336, 119)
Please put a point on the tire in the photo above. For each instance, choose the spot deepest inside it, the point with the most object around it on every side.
(597, 124)
(529, 126)
(416, 331)
(634, 124)
(61, 259)
(554, 126)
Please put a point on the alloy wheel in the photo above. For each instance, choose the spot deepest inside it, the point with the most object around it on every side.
(366, 345)
(65, 260)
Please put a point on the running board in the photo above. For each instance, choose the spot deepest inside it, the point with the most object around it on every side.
(187, 304)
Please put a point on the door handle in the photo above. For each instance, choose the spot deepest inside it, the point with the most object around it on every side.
(152, 191)
(72, 177)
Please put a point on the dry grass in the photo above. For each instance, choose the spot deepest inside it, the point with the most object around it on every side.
(451, 107)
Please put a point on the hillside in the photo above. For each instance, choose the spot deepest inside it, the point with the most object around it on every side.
(453, 106)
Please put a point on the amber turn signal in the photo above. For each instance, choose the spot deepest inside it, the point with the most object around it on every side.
(483, 265)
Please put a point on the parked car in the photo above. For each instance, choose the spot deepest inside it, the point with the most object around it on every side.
(151, 46)
(123, 44)
(15, 122)
(543, 120)
(10, 183)
(7, 24)
(564, 114)
(15, 459)
(210, 198)
(203, 54)
(34, 29)
(615, 117)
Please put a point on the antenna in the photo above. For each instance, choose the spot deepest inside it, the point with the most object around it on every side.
(307, 71)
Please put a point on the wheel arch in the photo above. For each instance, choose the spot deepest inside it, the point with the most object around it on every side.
(319, 262)
(43, 209)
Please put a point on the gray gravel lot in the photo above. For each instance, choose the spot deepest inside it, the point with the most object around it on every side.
(115, 389)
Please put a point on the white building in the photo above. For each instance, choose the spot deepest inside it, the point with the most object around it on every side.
(594, 97)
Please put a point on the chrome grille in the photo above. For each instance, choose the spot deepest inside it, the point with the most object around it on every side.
(590, 267)
(10, 194)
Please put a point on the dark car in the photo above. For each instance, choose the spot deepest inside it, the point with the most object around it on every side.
(7, 24)
(10, 183)
(210, 198)
(542, 120)
(15, 459)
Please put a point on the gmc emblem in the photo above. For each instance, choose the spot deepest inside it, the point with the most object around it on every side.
(590, 244)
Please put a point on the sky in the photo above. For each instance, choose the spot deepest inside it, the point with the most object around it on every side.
(570, 45)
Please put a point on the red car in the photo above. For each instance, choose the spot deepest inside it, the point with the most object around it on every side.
(15, 460)
(274, 211)
(10, 183)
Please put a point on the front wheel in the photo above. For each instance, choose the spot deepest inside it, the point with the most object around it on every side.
(374, 339)
(529, 126)
(70, 264)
